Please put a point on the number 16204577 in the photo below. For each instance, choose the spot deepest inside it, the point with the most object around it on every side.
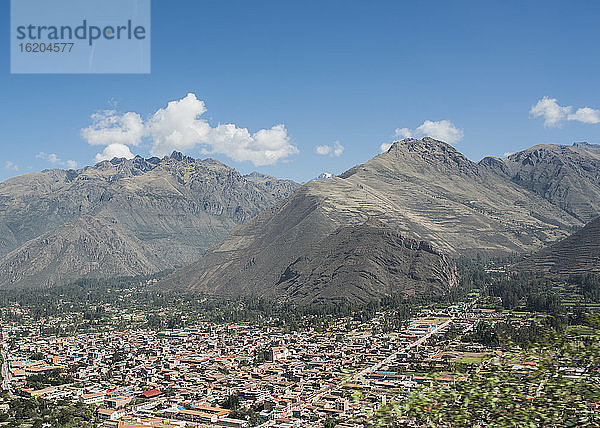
(46, 47)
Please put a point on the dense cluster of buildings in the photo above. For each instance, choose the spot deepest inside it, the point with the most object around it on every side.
(215, 375)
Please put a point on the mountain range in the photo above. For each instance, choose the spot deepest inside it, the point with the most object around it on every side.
(123, 217)
(423, 190)
(391, 225)
(566, 176)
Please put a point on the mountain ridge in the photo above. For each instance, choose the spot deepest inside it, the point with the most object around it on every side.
(567, 176)
(422, 189)
(177, 205)
(238, 234)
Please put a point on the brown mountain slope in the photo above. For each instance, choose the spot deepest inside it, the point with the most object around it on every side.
(423, 189)
(578, 253)
(361, 262)
(88, 246)
(177, 206)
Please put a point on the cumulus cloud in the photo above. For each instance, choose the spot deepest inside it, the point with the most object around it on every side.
(180, 126)
(56, 161)
(335, 150)
(116, 150)
(549, 109)
(264, 147)
(11, 166)
(554, 114)
(443, 130)
(109, 127)
(585, 115)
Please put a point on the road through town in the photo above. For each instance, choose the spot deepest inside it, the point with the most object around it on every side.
(386, 361)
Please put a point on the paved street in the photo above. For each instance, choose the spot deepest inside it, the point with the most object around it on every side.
(5, 374)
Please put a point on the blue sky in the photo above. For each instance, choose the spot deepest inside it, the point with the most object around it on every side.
(351, 72)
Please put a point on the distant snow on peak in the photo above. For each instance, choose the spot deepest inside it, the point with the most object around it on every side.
(323, 176)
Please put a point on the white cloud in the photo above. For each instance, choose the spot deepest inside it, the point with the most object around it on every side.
(403, 132)
(385, 147)
(11, 166)
(338, 149)
(264, 147)
(55, 160)
(109, 127)
(549, 109)
(554, 114)
(323, 150)
(585, 115)
(179, 126)
(50, 157)
(116, 150)
(334, 150)
(443, 130)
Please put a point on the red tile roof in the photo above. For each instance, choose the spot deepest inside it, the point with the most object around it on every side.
(152, 393)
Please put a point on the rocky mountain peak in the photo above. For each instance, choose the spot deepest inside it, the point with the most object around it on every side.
(587, 146)
(539, 153)
(258, 176)
(255, 175)
(180, 157)
(428, 154)
(177, 156)
(427, 148)
(567, 176)
(494, 165)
